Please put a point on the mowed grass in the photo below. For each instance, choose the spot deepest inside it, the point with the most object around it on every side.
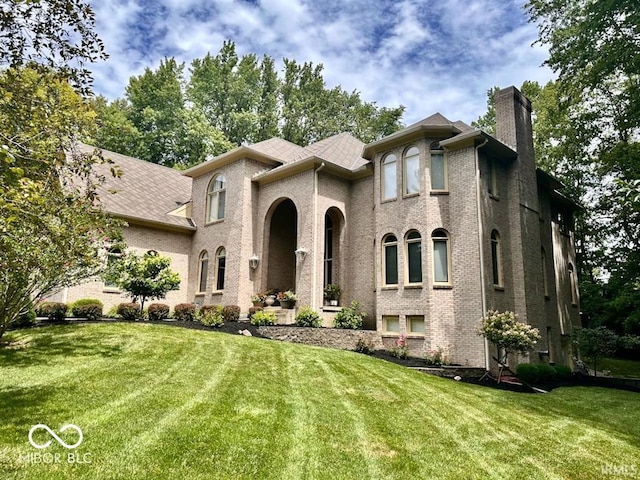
(163, 402)
(621, 367)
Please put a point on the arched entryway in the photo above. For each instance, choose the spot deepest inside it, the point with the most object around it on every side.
(282, 243)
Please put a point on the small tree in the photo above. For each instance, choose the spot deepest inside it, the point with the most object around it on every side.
(595, 343)
(503, 330)
(143, 277)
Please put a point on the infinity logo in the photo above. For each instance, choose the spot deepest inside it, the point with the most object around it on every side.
(53, 434)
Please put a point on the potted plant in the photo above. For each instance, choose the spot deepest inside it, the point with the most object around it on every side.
(332, 293)
(258, 299)
(287, 299)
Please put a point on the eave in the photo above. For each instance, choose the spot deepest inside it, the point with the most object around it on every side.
(309, 163)
(143, 222)
(409, 134)
(230, 157)
(474, 138)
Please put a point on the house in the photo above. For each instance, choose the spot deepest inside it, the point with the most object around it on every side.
(427, 228)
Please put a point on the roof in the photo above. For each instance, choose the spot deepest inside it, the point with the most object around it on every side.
(146, 192)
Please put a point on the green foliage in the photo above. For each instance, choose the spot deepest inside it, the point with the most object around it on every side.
(503, 330)
(185, 312)
(25, 320)
(129, 311)
(364, 345)
(54, 311)
(158, 312)
(263, 318)
(595, 343)
(212, 315)
(400, 349)
(143, 277)
(253, 310)
(628, 346)
(307, 317)
(332, 291)
(350, 317)
(438, 356)
(89, 308)
(540, 372)
(231, 313)
(527, 372)
(562, 371)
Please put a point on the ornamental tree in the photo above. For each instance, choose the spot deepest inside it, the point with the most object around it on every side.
(503, 330)
(595, 343)
(143, 277)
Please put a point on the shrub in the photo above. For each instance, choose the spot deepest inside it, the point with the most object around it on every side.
(527, 372)
(562, 371)
(438, 356)
(253, 310)
(158, 311)
(546, 373)
(307, 317)
(25, 319)
(129, 311)
(350, 317)
(231, 313)
(185, 312)
(54, 311)
(89, 308)
(263, 318)
(400, 348)
(113, 312)
(212, 315)
(364, 345)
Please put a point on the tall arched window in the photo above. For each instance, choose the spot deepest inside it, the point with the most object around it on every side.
(573, 283)
(216, 198)
(203, 271)
(441, 257)
(413, 257)
(390, 260)
(328, 250)
(411, 171)
(389, 183)
(221, 257)
(496, 259)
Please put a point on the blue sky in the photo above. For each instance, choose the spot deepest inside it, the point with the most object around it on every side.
(428, 55)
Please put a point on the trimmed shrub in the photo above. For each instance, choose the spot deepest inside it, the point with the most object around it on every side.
(264, 318)
(364, 345)
(212, 315)
(546, 373)
(562, 371)
(231, 313)
(350, 317)
(157, 312)
(307, 317)
(527, 372)
(89, 308)
(253, 310)
(185, 312)
(129, 311)
(25, 320)
(54, 311)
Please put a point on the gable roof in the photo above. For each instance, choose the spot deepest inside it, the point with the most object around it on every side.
(343, 150)
(145, 193)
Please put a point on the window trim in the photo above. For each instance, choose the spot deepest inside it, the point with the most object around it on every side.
(204, 256)
(211, 194)
(388, 159)
(221, 253)
(441, 235)
(389, 243)
(445, 168)
(407, 259)
(385, 331)
(409, 330)
(405, 170)
(496, 259)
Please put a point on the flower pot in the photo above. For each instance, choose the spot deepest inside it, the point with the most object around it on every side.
(333, 303)
(270, 300)
(258, 303)
(288, 304)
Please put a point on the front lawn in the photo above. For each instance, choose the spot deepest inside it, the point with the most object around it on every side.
(620, 367)
(157, 401)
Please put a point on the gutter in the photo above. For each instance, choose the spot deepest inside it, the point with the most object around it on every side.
(314, 286)
(483, 287)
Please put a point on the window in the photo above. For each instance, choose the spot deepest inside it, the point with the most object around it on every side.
(391, 324)
(203, 269)
(438, 169)
(389, 184)
(390, 260)
(492, 178)
(216, 198)
(496, 259)
(328, 250)
(221, 257)
(413, 257)
(411, 170)
(573, 282)
(545, 280)
(441, 257)
(415, 325)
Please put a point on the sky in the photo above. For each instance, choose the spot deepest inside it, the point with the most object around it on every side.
(428, 55)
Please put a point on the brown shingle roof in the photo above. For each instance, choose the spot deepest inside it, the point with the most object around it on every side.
(343, 149)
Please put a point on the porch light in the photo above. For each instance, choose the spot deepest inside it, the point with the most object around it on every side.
(253, 261)
(301, 253)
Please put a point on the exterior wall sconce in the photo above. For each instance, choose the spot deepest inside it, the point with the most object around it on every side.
(253, 262)
(301, 253)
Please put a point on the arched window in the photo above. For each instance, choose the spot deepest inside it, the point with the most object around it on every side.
(216, 198)
(441, 257)
(203, 271)
(413, 257)
(496, 259)
(390, 260)
(328, 249)
(438, 171)
(545, 280)
(411, 171)
(573, 282)
(221, 257)
(389, 184)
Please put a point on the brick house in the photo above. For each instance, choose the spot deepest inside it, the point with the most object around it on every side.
(427, 228)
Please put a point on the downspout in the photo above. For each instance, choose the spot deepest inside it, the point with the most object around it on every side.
(314, 281)
(483, 287)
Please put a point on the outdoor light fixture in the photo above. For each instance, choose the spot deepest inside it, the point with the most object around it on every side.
(300, 254)
(253, 261)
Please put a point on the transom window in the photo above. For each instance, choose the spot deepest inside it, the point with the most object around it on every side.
(411, 174)
(221, 258)
(390, 260)
(441, 258)
(216, 198)
(203, 268)
(389, 183)
(413, 255)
